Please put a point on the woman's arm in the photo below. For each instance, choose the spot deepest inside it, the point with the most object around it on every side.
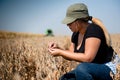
(71, 48)
(91, 47)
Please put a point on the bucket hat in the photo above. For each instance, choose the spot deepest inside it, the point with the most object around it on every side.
(75, 11)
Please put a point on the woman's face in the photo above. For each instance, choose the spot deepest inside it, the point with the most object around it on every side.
(74, 26)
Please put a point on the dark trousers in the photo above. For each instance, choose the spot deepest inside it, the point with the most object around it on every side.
(88, 71)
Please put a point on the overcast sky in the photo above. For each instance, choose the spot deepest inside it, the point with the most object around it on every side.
(35, 16)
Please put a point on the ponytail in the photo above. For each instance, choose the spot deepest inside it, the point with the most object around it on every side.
(107, 36)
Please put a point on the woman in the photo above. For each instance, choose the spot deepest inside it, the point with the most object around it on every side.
(90, 45)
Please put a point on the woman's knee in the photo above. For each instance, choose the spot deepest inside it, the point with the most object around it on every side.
(82, 67)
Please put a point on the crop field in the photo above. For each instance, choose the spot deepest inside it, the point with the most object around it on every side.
(25, 56)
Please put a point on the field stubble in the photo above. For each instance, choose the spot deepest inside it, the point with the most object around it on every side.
(28, 58)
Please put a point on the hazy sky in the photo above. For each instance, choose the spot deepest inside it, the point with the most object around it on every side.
(35, 16)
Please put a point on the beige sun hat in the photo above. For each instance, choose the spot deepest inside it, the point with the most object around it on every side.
(75, 11)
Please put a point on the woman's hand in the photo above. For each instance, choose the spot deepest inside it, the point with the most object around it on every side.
(54, 51)
(53, 45)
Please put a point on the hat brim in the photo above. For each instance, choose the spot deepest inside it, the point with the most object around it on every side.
(68, 20)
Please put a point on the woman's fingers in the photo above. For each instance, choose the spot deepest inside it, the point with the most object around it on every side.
(52, 45)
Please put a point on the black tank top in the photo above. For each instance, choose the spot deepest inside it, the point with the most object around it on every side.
(104, 53)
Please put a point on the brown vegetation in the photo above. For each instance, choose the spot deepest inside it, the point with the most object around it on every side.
(25, 57)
